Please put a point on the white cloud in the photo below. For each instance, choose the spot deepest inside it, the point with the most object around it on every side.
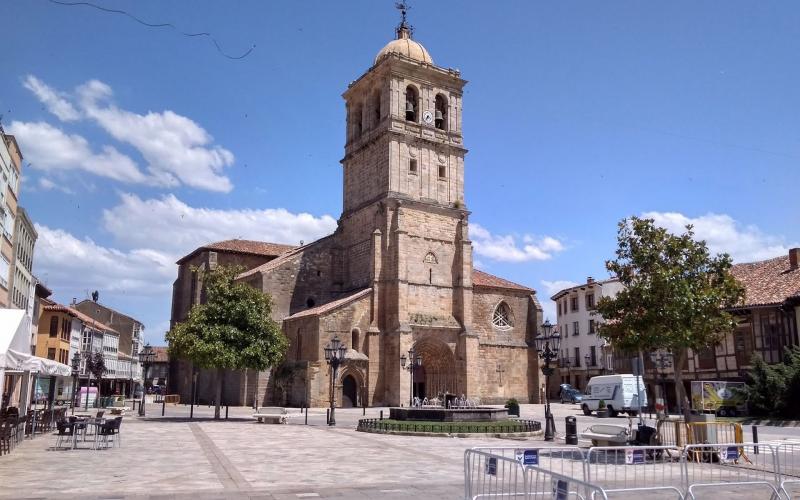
(723, 233)
(177, 150)
(171, 225)
(505, 247)
(50, 185)
(550, 288)
(67, 262)
(49, 148)
(56, 102)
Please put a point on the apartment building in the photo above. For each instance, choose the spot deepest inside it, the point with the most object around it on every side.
(10, 169)
(583, 353)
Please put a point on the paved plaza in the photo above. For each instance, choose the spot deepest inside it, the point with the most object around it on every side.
(173, 457)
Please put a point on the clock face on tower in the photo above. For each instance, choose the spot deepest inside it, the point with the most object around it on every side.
(428, 117)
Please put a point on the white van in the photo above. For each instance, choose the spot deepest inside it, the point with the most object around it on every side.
(619, 393)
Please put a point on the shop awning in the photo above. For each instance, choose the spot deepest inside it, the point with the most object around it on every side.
(15, 335)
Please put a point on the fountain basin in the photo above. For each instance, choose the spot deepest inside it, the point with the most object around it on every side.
(480, 414)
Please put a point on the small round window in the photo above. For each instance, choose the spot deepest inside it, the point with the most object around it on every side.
(501, 318)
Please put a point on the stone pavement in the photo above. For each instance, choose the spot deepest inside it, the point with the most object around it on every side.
(175, 458)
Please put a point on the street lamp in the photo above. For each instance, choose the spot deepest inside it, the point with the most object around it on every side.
(547, 345)
(415, 360)
(334, 356)
(76, 368)
(663, 361)
(146, 357)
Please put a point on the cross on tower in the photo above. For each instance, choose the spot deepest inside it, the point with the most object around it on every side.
(403, 7)
(500, 370)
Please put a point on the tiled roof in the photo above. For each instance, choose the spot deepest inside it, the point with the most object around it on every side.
(768, 281)
(242, 246)
(330, 306)
(162, 356)
(274, 263)
(565, 291)
(480, 278)
(77, 314)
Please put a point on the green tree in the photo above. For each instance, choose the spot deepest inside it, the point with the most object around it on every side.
(96, 365)
(231, 330)
(675, 294)
(772, 389)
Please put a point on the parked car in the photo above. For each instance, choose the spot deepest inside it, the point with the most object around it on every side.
(617, 392)
(571, 396)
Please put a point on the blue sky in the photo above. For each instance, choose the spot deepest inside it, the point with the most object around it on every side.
(143, 143)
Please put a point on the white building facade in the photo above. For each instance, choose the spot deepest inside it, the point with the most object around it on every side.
(583, 353)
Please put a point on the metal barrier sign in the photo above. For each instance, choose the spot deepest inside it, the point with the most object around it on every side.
(634, 456)
(729, 454)
(528, 457)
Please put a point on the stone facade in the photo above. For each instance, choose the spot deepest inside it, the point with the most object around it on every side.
(397, 273)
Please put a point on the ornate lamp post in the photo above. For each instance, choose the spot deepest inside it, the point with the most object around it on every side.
(547, 345)
(146, 357)
(334, 356)
(416, 360)
(76, 369)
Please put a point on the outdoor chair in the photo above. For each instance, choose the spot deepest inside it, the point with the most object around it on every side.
(110, 430)
(65, 430)
(5, 436)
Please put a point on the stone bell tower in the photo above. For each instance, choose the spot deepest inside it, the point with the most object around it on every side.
(404, 224)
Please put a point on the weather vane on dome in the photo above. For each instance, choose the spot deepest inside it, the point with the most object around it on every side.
(403, 7)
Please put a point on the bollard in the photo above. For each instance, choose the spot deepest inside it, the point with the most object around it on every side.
(755, 439)
(306, 416)
(571, 432)
(364, 410)
(163, 406)
(381, 414)
(226, 412)
(328, 416)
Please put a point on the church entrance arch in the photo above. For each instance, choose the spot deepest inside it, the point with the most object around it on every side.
(349, 392)
(437, 375)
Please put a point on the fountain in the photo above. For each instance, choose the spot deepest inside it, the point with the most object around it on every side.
(448, 408)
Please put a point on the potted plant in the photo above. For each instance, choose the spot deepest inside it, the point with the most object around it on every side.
(602, 410)
(513, 407)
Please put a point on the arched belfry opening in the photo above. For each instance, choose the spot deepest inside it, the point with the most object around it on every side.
(412, 104)
(437, 374)
(441, 112)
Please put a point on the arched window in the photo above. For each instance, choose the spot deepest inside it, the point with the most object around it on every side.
(376, 108)
(441, 112)
(501, 318)
(358, 119)
(412, 103)
(355, 339)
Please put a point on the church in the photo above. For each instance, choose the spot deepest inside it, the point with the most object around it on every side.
(395, 276)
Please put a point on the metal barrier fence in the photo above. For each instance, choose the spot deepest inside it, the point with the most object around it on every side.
(788, 457)
(714, 432)
(640, 468)
(733, 464)
(727, 469)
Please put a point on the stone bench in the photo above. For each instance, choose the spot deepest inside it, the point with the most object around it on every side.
(606, 435)
(270, 415)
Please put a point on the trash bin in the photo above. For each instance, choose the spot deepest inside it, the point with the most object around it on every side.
(571, 434)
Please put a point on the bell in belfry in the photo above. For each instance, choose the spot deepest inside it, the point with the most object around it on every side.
(409, 110)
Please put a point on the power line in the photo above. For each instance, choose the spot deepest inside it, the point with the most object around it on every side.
(156, 25)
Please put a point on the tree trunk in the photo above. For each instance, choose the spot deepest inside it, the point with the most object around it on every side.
(218, 397)
(679, 359)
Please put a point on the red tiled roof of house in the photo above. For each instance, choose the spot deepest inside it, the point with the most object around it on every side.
(83, 317)
(249, 247)
(480, 278)
(768, 281)
(162, 356)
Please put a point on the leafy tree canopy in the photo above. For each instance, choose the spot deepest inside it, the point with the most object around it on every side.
(772, 389)
(232, 329)
(675, 293)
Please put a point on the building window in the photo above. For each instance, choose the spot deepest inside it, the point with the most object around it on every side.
(376, 107)
(355, 339)
(589, 301)
(501, 318)
(592, 326)
(442, 171)
(576, 328)
(566, 329)
(593, 355)
(559, 308)
(412, 100)
(574, 304)
(412, 166)
(51, 353)
(706, 359)
(359, 118)
(441, 112)
(53, 326)
(577, 357)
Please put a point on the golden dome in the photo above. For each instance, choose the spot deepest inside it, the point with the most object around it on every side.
(405, 46)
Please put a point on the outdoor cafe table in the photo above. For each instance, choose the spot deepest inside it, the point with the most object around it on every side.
(88, 422)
